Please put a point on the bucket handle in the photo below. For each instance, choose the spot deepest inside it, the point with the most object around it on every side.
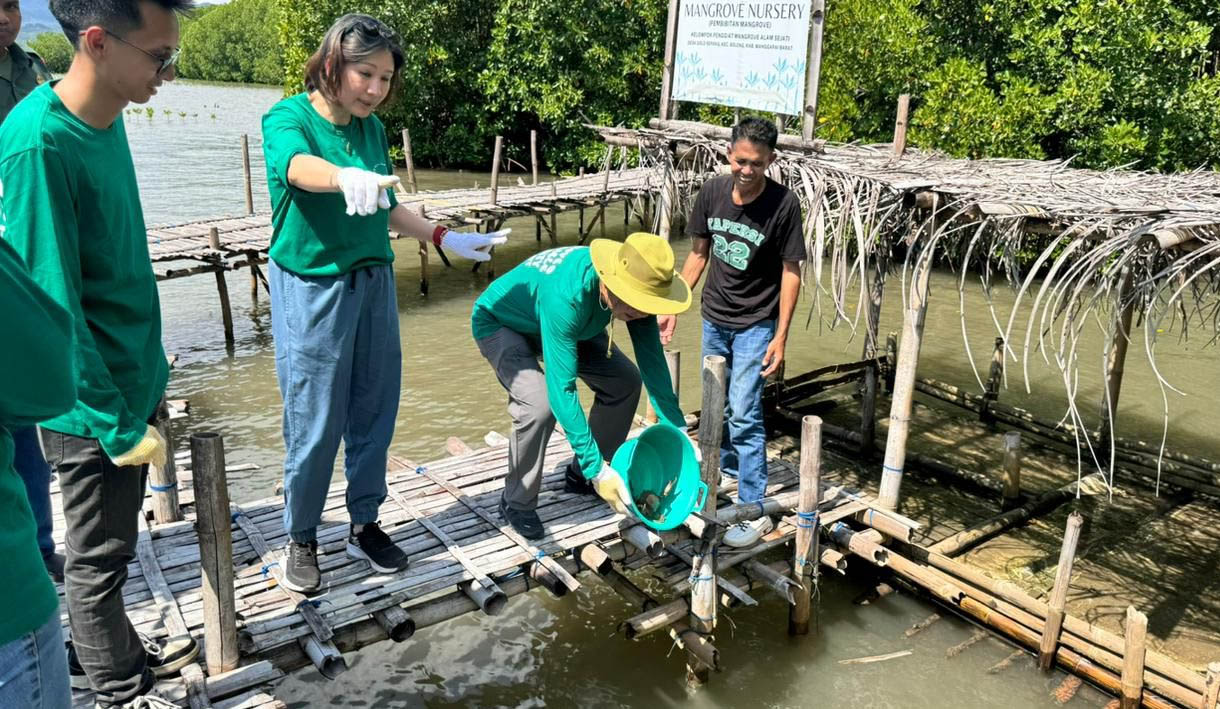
(702, 495)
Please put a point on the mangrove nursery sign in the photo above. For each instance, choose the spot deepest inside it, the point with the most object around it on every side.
(743, 54)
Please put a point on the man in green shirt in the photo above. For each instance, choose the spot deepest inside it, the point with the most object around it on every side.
(73, 213)
(557, 305)
(20, 71)
(38, 383)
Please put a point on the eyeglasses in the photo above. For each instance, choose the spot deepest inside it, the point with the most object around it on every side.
(164, 64)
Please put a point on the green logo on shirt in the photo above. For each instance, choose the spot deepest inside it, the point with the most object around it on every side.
(547, 261)
(745, 231)
(734, 253)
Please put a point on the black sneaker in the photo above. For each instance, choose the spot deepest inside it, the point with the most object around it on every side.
(166, 656)
(376, 547)
(526, 522)
(301, 567)
(76, 673)
(575, 482)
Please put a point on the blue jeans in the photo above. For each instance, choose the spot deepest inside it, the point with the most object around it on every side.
(36, 473)
(339, 364)
(743, 447)
(34, 669)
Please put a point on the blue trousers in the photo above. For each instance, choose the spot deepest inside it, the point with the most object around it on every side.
(36, 473)
(34, 669)
(743, 452)
(338, 359)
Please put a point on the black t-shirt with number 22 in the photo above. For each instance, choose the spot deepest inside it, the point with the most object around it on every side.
(749, 246)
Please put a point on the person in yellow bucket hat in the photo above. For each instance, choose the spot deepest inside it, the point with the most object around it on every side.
(557, 305)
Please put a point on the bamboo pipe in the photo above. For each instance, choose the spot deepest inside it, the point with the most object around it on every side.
(900, 125)
(1211, 688)
(222, 288)
(711, 425)
(396, 622)
(534, 154)
(324, 656)
(783, 586)
(860, 543)
(163, 479)
(1133, 659)
(783, 141)
(490, 599)
(1011, 495)
(884, 523)
(644, 539)
(994, 379)
(805, 546)
(968, 538)
(703, 594)
(595, 559)
(214, 529)
(547, 579)
(1063, 576)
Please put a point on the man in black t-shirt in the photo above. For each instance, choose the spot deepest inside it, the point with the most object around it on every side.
(747, 234)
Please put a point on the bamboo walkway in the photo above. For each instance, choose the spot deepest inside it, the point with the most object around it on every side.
(442, 513)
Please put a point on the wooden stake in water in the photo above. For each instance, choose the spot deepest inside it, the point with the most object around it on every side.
(245, 164)
(409, 159)
(868, 398)
(1133, 659)
(1012, 471)
(1054, 614)
(900, 125)
(534, 154)
(805, 548)
(994, 379)
(711, 424)
(213, 527)
(495, 168)
(222, 287)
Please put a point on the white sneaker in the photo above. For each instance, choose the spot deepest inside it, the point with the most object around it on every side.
(744, 534)
(152, 700)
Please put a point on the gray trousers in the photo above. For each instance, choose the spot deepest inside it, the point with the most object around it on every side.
(616, 386)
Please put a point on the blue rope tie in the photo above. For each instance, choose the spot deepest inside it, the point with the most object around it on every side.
(162, 488)
(540, 555)
(762, 509)
(267, 568)
(891, 468)
(420, 470)
(235, 515)
(807, 520)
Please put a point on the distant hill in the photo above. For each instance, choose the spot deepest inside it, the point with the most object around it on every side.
(36, 18)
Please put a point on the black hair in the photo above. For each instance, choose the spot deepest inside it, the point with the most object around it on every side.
(759, 131)
(352, 38)
(117, 16)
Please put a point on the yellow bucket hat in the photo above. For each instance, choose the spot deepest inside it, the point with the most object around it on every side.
(640, 272)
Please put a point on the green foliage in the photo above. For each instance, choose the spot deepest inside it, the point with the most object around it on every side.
(55, 50)
(232, 42)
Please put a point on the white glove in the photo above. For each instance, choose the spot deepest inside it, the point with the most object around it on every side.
(610, 486)
(364, 191)
(473, 245)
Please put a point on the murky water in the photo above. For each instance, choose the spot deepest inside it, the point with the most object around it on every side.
(545, 651)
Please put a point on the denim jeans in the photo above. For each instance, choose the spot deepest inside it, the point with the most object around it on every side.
(743, 452)
(34, 471)
(34, 670)
(339, 364)
(101, 502)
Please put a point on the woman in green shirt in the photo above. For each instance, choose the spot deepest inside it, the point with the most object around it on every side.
(333, 306)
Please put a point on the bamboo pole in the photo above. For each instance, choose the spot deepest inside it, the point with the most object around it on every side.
(711, 426)
(1211, 688)
(1054, 614)
(904, 387)
(495, 169)
(973, 536)
(667, 69)
(245, 166)
(868, 398)
(163, 480)
(213, 527)
(900, 125)
(1116, 358)
(396, 622)
(409, 159)
(222, 287)
(702, 610)
(862, 544)
(805, 548)
(423, 268)
(554, 234)
(994, 378)
(1011, 497)
(534, 154)
(891, 360)
(813, 70)
(1133, 659)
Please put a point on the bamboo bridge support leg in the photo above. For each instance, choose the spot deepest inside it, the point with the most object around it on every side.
(495, 168)
(891, 361)
(994, 379)
(1011, 494)
(554, 211)
(245, 164)
(1133, 659)
(1063, 577)
(805, 552)
(703, 568)
(534, 155)
(423, 268)
(711, 426)
(904, 387)
(868, 389)
(1116, 359)
(666, 210)
(214, 528)
(409, 159)
(1211, 689)
(163, 480)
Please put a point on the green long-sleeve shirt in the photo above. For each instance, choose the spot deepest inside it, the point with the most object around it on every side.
(73, 214)
(35, 383)
(555, 297)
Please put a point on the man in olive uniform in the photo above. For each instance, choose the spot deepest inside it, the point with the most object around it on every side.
(20, 70)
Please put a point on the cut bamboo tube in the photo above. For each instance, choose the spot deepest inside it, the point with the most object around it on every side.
(215, 533)
(495, 169)
(1211, 688)
(1133, 659)
(968, 538)
(805, 548)
(396, 622)
(644, 539)
(904, 387)
(711, 425)
(995, 378)
(325, 656)
(1011, 497)
(245, 166)
(778, 581)
(1117, 357)
(409, 159)
(884, 523)
(163, 480)
(702, 611)
(863, 544)
(1054, 615)
(534, 154)
(595, 559)
(490, 599)
(548, 580)
(900, 125)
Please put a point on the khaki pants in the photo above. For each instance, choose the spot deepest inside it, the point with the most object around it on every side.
(616, 385)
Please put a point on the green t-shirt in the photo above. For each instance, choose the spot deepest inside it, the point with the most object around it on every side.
(35, 383)
(312, 234)
(73, 213)
(555, 296)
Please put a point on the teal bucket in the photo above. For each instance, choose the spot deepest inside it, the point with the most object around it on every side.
(662, 476)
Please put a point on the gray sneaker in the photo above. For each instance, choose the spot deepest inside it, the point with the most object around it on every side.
(301, 572)
(167, 656)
